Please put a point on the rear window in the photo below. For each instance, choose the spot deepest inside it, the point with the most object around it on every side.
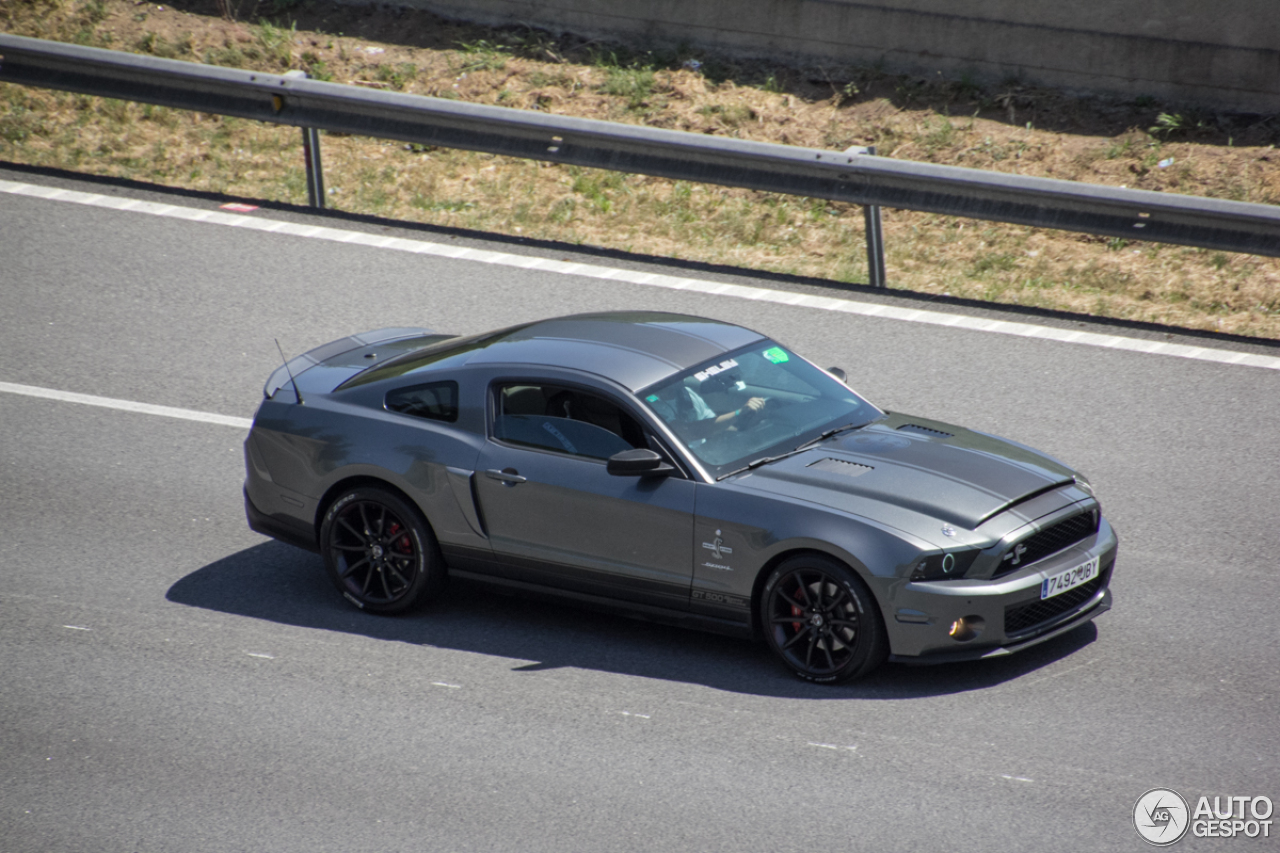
(437, 401)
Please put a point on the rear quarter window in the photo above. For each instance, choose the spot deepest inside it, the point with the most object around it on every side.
(437, 401)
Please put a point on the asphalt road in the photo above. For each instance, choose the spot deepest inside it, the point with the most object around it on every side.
(170, 680)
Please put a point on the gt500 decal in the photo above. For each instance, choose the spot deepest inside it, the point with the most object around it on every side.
(720, 598)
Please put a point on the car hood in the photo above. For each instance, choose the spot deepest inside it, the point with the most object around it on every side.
(915, 465)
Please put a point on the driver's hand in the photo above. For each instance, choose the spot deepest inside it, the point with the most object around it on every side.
(750, 411)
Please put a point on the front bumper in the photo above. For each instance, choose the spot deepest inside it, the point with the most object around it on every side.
(1010, 612)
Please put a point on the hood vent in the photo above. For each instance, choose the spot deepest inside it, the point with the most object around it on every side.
(932, 433)
(840, 466)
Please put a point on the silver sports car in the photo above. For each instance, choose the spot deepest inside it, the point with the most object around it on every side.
(675, 468)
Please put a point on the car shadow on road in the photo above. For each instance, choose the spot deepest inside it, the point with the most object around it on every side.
(279, 583)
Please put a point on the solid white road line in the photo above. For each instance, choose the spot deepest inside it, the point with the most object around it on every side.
(125, 405)
(781, 297)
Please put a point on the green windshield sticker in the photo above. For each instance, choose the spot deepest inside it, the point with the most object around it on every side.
(652, 398)
(777, 355)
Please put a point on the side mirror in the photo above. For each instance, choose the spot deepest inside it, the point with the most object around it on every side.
(838, 374)
(640, 462)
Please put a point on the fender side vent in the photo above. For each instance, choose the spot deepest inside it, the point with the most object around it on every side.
(840, 466)
(933, 433)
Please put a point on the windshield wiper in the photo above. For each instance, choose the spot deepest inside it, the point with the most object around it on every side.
(835, 431)
(765, 460)
(755, 463)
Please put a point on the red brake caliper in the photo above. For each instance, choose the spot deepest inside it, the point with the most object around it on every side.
(797, 611)
(403, 541)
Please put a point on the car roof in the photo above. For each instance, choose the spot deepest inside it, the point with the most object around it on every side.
(633, 348)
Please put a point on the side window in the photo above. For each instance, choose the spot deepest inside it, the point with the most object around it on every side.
(437, 401)
(564, 420)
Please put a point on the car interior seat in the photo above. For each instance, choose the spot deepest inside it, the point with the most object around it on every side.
(523, 400)
(593, 410)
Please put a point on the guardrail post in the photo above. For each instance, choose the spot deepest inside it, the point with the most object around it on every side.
(311, 158)
(875, 241)
(315, 174)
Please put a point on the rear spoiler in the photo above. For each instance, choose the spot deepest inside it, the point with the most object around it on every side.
(299, 365)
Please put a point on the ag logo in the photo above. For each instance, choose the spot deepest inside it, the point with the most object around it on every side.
(1161, 816)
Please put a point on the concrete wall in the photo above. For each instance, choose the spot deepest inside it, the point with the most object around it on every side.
(1223, 54)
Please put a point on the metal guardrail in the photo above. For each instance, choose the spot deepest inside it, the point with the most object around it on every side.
(840, 176)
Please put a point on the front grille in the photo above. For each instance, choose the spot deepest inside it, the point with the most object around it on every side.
(1051, 540)
(1023, 617)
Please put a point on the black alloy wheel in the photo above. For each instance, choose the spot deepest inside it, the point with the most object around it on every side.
(380, 552)
(821, 620)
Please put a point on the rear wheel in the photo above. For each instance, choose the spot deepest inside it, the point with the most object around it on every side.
(379, 551)
(821, 620)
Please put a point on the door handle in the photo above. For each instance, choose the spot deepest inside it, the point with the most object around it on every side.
(507, 476)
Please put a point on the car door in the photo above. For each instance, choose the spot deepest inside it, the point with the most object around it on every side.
(555, 516)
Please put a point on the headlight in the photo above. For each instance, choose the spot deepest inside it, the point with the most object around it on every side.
(944, 566)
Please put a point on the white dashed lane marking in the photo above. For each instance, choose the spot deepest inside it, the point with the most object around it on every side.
(124, 405)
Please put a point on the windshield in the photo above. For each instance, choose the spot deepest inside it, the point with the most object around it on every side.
(759, 401)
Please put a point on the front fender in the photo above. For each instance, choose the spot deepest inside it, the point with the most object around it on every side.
(740, 534)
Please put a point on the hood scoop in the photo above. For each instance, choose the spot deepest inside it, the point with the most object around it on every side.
(845, 468)
(932, 433)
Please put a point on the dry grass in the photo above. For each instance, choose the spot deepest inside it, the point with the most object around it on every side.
(1009, 128)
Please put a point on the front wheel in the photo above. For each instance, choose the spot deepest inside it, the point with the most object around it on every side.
(379, 551)
(821, 620)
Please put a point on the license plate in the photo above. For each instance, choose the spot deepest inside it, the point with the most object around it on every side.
(1071, 578)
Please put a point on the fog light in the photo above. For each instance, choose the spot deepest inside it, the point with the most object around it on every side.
(966, 628)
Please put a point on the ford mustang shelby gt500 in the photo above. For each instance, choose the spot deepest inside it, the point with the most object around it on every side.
(678, 468)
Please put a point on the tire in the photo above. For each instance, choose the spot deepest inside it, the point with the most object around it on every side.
(380, 552)
(821, 620)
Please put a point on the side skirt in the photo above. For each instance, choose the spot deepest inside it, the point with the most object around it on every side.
(644, 612)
